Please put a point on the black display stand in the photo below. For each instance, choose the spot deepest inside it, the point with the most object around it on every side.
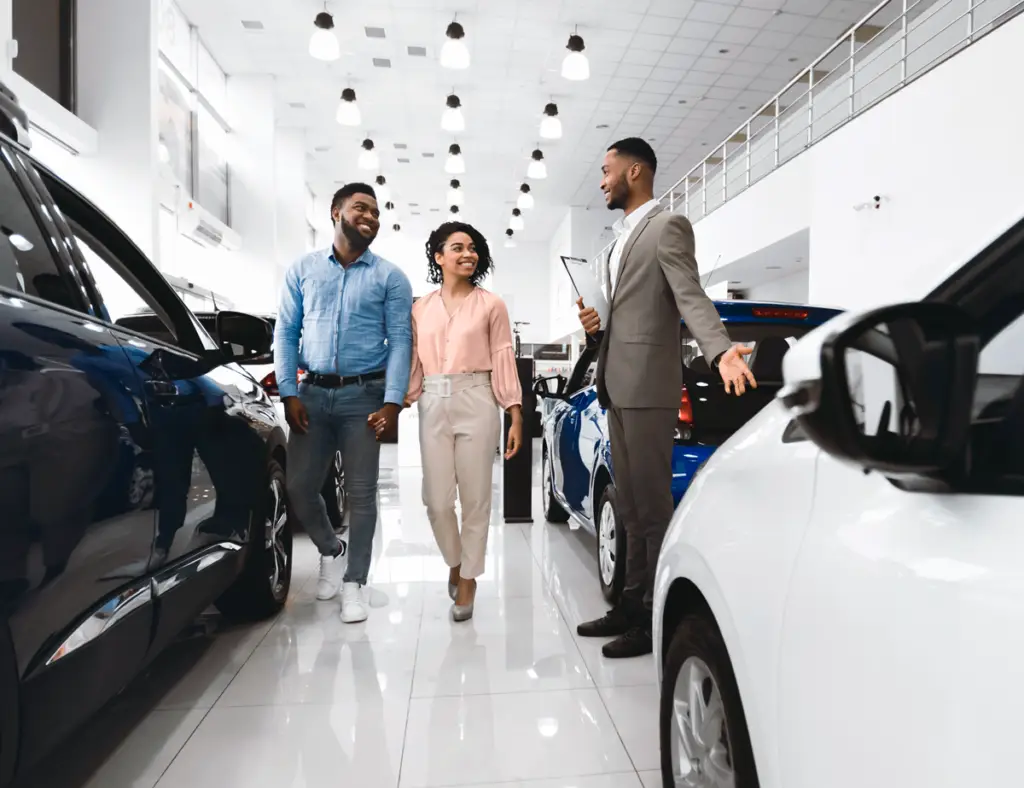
(518, 472)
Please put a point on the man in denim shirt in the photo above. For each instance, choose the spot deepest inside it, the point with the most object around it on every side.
(352, 311)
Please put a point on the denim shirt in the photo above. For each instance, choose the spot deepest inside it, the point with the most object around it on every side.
(351, 321)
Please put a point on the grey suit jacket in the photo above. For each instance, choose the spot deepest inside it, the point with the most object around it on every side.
(639, 362)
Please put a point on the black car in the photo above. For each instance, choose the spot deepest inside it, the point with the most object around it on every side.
(141, 472)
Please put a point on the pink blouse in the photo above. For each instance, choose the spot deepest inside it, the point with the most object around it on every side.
(476, 338)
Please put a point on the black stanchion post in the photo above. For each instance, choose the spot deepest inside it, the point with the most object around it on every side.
(518, 472)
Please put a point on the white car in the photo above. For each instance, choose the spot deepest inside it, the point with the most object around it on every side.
(839, 600)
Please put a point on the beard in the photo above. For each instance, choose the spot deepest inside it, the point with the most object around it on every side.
(356, 239)
(618, 199)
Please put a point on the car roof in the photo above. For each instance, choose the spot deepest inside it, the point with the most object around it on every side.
(773, 312)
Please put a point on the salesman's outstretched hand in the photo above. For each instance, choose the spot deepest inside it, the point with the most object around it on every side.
(590, 320)
(734, 370)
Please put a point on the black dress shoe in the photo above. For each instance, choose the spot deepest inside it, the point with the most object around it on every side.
(612, 624)
(637, 642)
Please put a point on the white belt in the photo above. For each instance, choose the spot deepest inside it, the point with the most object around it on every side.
(446, 385)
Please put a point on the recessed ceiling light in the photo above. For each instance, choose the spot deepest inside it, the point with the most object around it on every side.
(793, 59)
(651, 139)
(682, 101)
(602, 125)
(296, 105)
(403, 161)
(400, 146)
(743, 107)
(417, 51)
(435, 210)
(252, 24)
(773, 268)
(723, 51)
(428, 155)
(415, 213)
(375, 32)
(381, 62)
(322, 149)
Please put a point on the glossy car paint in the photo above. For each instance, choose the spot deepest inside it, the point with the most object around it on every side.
(576, 430)
(127, 483)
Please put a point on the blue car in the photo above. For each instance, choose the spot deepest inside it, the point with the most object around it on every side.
(578, 479)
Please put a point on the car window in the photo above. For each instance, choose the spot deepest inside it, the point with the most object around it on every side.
(1000, 371)
(123, 296)
(589, 376)
(27, 263)
(583, 374)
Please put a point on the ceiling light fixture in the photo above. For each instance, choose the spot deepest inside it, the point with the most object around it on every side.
(455, 165)
(323, 45)
(525, 202)
(455, 196)
(383, 191)
(516, 222)
(397, 228)
(538, 170)
(453, 119)
(550, 125)
(455, 53)
(454, 209)
(389, 207)
(576, 66)
(509, 242)
(368, 159)
(348, 110)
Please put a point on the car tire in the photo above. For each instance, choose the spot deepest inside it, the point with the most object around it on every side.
(611, 546)
(262, 587)
(697, 665)
(334, 496)
(553, 511)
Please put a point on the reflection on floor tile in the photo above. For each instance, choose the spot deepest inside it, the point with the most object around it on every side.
(510, 699)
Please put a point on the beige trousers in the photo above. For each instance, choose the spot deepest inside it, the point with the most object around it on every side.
(459, 433)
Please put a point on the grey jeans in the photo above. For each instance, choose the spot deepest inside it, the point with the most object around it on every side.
(338, 422)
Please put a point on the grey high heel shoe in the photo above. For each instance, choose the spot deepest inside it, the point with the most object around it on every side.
(462, 612)
(453, 589)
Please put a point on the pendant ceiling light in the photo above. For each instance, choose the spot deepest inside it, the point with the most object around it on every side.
(323, 45)
(576, 66)
(455, 165)
(538, 169)
(455, 193)
(383, 190)
(397, 228)
(516, 222)
(389, 207)
(453, 119)
(368, 159)
(509, 241)
(454, 209)
(525, 201)
(348, 110)
(550, 125)
(455, 53)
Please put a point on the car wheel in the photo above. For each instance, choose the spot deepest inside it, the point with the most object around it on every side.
(611, 546)
(334, 496)
(553, 512)
(262, 588)
(704, 738)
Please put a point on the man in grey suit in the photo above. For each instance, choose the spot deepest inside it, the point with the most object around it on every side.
(652, 281)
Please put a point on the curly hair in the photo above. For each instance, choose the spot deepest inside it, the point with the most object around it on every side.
(435, 245)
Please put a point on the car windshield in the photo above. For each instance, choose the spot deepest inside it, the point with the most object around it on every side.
(713, 416)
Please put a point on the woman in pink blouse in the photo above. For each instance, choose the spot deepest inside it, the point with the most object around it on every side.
(463, 370)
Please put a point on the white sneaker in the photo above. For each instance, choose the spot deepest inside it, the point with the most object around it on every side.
(353, 609)
(332, 570)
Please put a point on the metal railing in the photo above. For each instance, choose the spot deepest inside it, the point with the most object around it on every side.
(896, 43)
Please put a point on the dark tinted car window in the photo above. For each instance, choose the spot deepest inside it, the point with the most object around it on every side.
(27, 264)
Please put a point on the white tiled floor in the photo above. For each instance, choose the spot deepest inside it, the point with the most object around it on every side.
(408, 699)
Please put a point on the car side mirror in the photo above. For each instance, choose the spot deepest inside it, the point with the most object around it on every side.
(894, 388)
(543, 389)
(244, 338)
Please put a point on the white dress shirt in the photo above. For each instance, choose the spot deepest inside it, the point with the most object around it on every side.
(623, 228)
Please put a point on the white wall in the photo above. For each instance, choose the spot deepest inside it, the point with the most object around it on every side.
(520, 277)
(792, 288)
(950, 178)
(562, 315)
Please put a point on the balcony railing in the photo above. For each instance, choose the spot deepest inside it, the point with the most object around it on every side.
(898, 42)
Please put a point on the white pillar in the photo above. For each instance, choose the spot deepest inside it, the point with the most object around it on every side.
(292, 197)
(117, 96)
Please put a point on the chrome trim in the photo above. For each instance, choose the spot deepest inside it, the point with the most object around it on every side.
(103, 618)
(172, 578)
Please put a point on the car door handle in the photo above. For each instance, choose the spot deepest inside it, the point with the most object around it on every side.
(161, 389)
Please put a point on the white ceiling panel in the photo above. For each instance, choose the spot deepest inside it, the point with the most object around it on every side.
(644, 62)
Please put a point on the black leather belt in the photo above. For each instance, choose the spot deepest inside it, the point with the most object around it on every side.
(337, 381)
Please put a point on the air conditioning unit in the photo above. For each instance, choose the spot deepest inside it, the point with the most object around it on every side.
(205, 229)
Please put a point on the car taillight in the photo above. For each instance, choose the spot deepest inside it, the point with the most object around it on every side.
(685, 408)
(269, 384)
(780, 313)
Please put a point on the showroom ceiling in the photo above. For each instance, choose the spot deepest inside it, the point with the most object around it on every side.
(681, 73)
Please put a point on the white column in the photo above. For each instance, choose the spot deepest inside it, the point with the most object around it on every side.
(117, 96)
(291, 195)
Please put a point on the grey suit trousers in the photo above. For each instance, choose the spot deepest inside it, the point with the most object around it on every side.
(642, 441)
